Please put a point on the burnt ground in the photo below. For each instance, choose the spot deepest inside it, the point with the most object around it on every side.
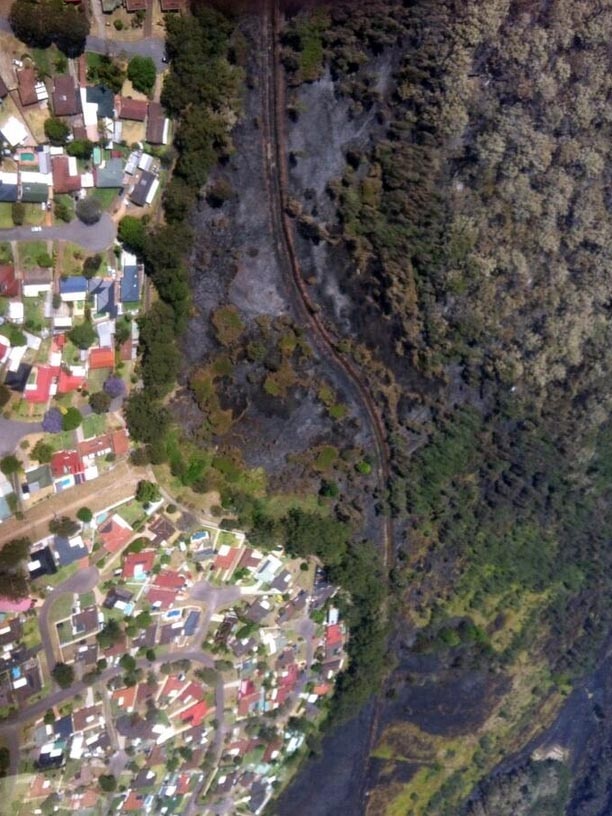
(235, 261)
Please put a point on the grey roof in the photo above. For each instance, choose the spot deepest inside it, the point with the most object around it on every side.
(111, 173)
(39, 478)
(8, 192)
(130, 285)
(34, 193)
(104, 293)
(67, 554)
(141, 190)
(104, 98)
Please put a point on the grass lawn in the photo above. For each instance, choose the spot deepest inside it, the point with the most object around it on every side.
(61, 441)
(131, 512)
(34, 319)
(49, 61)
(72, 257)
(34, 215)
(228, 538)
(60, 575)
(31, 633)
(88, 599)
(30, 251)
(105, 196)
(42, 355)
(93, 60)
(29, 411)
(70, 353)
(6, 217)
(6, 253)
(97, 378)
(94, 425)
(67, 201)
(61, 608)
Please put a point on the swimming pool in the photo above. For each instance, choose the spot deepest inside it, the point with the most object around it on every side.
(27, 157)
(101, 517)
(173, 614)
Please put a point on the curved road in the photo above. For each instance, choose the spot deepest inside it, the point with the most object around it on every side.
(12, 431)
(95, 238)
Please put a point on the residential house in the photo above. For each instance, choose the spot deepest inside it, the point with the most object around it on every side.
(39, 482)
(103, 291)
(8, 187)
(10, 286)
(226, 559)
(41, 384)
(145, 189)
(158, 126)
(172, 5)
(85, 622)
(14, 131)
(115, 533)
(26, 86)
(130, 281)
(162, 530)
(41, 563)
(105, 330)
(65, 96)
(66, 462)
(37, 281)
(73, 289)
(69, 550)
(101, 358)
(66, 176)
(137, 566)
(109, 174)
(117, 597)
(133, 109)
(34, 192)
(259, 610)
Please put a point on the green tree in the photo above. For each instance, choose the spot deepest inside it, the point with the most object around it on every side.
(63, 674)
(5, 395)
(110, 635)
(141, 73)
(132, 232)
(56, 130)
(71, 419)
(62, 210)
(80, 148)
(42, 452)
(84, 514)
(89, 210)
(64, 526)
(107, 783)
(147, 492)
(83, 335)
(91, 266)
(146, 419)
(10, 465)
(18, 212)
(46, 21)
(100, 402)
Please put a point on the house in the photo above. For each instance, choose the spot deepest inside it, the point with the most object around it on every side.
(227, 558)
(195, 714)
(115, 533)
(8, 187)
(69, 550)
(65, 96)
(105, 331)
(66, 462)
(136, 566)
(103, 291)
(191, 623)
(15, 605)
(10, 286)
(26, 86)
(73, 289)
(14, 132)
(66, 176)
(85, 622)
(38, 481)
(42, 384)
(70, 379)
(170, 579)
(161, 598)
(117, 597)
(259, 610)
(130, 284)
(125, 697)
(133, 109)
(144, 189)
(33, 192)
(162, 530)
(86, 718)
(157, 125)
(172, 5)
(109, 174)
(101, 358)
(41, 563)
(103, 99)
(37, 281)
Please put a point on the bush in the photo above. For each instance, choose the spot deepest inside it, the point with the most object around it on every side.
(83, 336)
(62, 211)
(42, 452)
(89, 210)
(9, 465)
(18, 213)
(63, 674)
(64, 526)
(132, 233)
(85, 515)
(81, 148)
(56, 131)
(100, 402)
(91, 266)
(141, 73)
(147, 492)
(107, 783)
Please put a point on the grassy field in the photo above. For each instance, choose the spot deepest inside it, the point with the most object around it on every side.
(30, 251)
(94, 425)
(105, 196)
(131, 512)
(67, 201)
(6, 218)
(6, 253)
(61, 608)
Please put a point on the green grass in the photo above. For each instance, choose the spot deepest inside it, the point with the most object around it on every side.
(34, 215)
(88, 599)
(96, 379)
(61, 608)
(72, 259)
(70, 353)
(326, 458)
(60, 575)
(105, 196)
(30, 251)
(68, 201)
(131, 512)
(49, 61)
(6, 252)
(93, 60)
(61, 441)
(228, 538)
(6, 217)
(94, 425)
(34, 319)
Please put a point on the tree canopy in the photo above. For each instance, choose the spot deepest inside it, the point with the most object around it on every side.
(141, 73)
(39, 23)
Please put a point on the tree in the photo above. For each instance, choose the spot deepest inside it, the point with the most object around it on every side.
(110, 635)
(91, 266)
(114, 387)
(10, 465)
(18, 213)
(39, 24)
(80, 148)
(132, 233)
(71, 419)
(141, 73)
(100, 402)
(146, 419)
(64, 526)
(63, 674)
(56, 131)
(5, 395)
(89, 210)
(84, 514)
(42, 452)
(108, 73)
(83, 335)
(14, 583)
(107, 783)
(62, 211)
(123, 330)
(52, 421)
(147, 492)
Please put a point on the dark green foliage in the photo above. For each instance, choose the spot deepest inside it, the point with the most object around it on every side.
(107, 783)
(89, 210)
(141, 73)
(110, 635)
(14, 581)
(5, 395)
(147, 492)
(63, 674)
(84, 514)
(160, 355)
(43, 22)
(71, 419)
(64, 526)
(42, 452)
(10, 464)
(18, 212)
(100, 402)
(56, 130)
(81, 148)
(83, 335)
(147, 420)
(107, 72)
(91, 265)
(132, 232)
(62, 210)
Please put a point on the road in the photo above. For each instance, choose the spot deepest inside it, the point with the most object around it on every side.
(13, 431)
(95, 238)
(81, 582)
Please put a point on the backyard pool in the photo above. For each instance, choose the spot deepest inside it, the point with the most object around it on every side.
(173, 614)
(27, 157)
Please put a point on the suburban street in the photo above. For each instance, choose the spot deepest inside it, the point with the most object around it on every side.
(12, 431)
(95, 238)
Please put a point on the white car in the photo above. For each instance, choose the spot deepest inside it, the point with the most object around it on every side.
(36, 229)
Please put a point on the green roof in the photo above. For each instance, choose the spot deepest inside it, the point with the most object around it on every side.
(34, 193)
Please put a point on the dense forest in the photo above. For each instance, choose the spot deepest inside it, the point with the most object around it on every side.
(475, 221)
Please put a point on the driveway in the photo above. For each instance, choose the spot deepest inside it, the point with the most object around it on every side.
(12, 432)
(96, 238)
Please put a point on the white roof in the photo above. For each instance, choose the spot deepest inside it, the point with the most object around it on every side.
(16, 356)
(8, 178)
(13, 131)
(87, 180)
(90, 110)
(15, 311)
(33, 341)
(34, 177)
(152, 190)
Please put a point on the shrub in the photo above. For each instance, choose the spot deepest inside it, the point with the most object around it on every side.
(141, 73)
(85, 515)
(18, 213)
(56, 131)
(63, 674)
(63, 526)
(89, 210)
(42, 452)
(71, 419)
(100, 402)
(9, 465)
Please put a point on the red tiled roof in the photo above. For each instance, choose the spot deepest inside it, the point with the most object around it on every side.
(68, 382)
(164, 597)
(134, 801)
(169, 579)
(333, 635)
(66, 102)
(227, 561)
(113, 535)
(136, 5)
(63, 182)
(194, 691)
(142, 560)
(44, 379)
(9, 285)
(120, 442)
(172, 684)
(96, 446)
(26, 80)
(172, 5)
(101, 358)
(64, 462)
(195, 714)
(135, 109)
(125, 697)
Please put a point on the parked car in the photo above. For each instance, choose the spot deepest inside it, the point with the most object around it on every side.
(36, 229)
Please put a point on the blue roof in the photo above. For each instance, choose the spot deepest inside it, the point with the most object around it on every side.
(130, 290)
(73, 285)
(191, 623)
(67, 554)
(63, 726)
(104, 291)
